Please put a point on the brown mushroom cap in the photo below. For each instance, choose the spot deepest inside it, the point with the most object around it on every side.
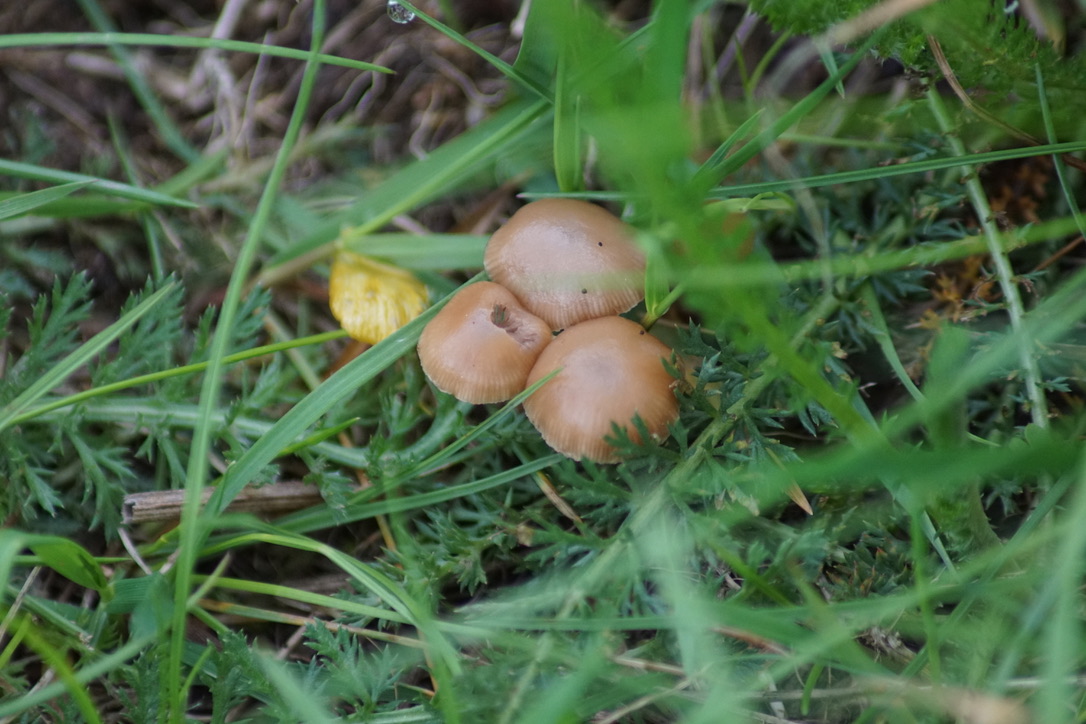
(567, 261)
(611, 370)
(480, 347)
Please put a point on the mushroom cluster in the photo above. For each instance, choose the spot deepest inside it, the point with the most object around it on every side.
(565, 266)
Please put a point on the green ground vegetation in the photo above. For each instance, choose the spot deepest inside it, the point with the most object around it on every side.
(865, 246)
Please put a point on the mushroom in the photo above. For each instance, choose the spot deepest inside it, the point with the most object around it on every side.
(611, 371)
(567, 261)
(480, 347)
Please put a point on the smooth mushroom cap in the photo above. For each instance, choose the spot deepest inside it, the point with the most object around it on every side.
(611, 370)
(567, 261)
(480, 347)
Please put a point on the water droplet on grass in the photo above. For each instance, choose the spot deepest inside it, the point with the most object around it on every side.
(398, 13)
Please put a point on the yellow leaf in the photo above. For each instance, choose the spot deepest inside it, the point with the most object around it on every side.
(372, 300)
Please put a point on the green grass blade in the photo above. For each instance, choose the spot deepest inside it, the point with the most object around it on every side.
(12, 542)
(299, 418)
(413, 185)
(57, 662)
(25, 203)
(886, 341)
(147, 221)
(881, 172)
(103, 204)
(82, 677)
(721, 152)
(1004, 273)
(319, 436)
(123, 411)
(192, 530)
(567, 132)
(310, 598)
(433, 252)
(124, 191)
(310, 520)
(85, 205)
(755, 274)
(77, 359)
(305, 709)
(825, 54)
(1063, 632)
(1057, 160)
(167, 128)
(152, 377)
(509, 71)
(666, 547)
(385, 588)
(152, 40)
(446, 453)
(708, 176)
(194, 173)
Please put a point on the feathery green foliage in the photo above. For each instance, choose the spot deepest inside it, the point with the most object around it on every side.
(875, 303)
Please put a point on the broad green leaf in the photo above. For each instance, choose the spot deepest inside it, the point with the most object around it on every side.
(148, 600)
(536, 58)
(69, 559)
(12, 542)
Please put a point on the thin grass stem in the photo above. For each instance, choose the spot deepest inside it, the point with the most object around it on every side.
(191, 527)
(171, 134)
(1057, 159)
(152, 377)
(1004, 272)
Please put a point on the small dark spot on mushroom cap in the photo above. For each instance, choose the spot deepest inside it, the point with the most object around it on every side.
(642, 332)
(550, 239)
(481, 346)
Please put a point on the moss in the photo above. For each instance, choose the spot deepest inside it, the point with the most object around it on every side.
(989, 50)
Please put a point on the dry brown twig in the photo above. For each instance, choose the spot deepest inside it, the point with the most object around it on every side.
(165, 505)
